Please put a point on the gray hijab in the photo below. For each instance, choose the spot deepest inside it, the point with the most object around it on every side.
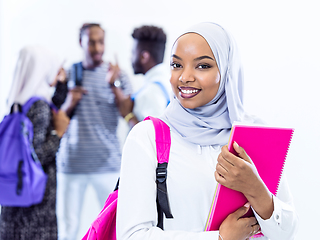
(211, 124)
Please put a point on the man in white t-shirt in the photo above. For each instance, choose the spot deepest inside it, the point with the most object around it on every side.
(147, 57)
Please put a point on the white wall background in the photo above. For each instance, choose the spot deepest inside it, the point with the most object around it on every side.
(279, 42)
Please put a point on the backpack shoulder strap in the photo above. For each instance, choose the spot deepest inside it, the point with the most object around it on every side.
(163, 139)
(32, 100)
(163, 143)
(77, 73)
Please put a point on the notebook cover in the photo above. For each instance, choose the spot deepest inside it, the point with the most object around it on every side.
(267, 147)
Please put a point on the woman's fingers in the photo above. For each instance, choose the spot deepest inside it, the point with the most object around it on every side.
(241, 152)
(235, 226)
(221, 169)
(223, 164)
(252, 221)
(242, 211)
(255, 229)
(238, 171)
(227, 156)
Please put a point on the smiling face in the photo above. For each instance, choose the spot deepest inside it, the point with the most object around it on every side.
(92, 42)
(195, 76)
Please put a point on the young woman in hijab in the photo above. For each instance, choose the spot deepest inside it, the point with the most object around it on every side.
(207, 82)
(37, 71)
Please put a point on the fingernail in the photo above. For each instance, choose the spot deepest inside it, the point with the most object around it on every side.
(235, 143)
(247, 205)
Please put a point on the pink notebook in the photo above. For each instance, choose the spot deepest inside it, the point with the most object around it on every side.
(267, 148)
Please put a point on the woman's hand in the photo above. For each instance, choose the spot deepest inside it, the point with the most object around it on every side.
(60, 122)
(237, 172)
(240, 174)
(236, 228)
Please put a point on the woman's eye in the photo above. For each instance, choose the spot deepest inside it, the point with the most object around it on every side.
(204, 66)
(175, 65)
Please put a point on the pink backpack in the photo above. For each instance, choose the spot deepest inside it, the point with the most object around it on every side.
(104, 226)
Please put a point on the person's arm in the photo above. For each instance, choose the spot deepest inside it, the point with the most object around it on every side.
(60, 94)
(73, 98)
(131, 119)
(61, 90)
(283, 223)
(124, 102)
(239, 173)
(121, 93)
(69, 92)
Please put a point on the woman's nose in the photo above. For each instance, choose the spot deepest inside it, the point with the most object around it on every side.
(187, 76)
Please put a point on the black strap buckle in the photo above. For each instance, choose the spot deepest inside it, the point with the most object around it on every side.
(162, 196)
(161, 172)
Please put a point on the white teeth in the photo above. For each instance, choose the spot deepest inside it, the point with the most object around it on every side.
(189, 91)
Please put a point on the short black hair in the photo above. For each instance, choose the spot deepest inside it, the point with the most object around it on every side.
(86, 26)
(151, 39)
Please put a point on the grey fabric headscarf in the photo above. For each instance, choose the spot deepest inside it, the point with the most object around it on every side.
(211, 124)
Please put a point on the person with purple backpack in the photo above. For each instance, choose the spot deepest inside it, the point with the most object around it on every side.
(207, 82)
(37, 72)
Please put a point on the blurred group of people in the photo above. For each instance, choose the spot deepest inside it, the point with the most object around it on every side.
(78, 145)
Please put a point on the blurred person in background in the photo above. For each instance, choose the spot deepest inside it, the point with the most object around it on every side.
(36, 72)
(147, 57)
(90, 150)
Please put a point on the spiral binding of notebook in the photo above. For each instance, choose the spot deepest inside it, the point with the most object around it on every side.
(270, 164)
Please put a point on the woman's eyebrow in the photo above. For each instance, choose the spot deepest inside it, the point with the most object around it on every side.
(196, 59)
(203, 57)
(175, 56)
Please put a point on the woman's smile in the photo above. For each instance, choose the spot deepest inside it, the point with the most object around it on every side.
(188, 92)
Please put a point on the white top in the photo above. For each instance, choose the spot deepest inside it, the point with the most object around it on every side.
(150, 100)
(191, 185)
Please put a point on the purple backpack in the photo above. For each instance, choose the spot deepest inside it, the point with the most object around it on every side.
(22, 179)
(104, 226)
